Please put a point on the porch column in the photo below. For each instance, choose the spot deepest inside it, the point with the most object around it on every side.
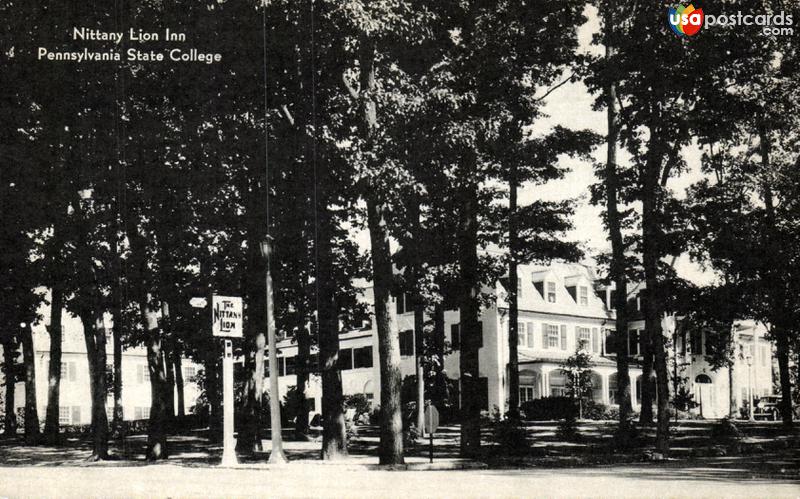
(604, 384)
(544, 384)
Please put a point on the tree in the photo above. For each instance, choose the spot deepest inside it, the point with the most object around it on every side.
(577, 369)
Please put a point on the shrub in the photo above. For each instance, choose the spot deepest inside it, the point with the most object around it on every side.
(360, 404)
(726, 430)
(568, 429)
(410, 435)
(509, 435)
(550, 408)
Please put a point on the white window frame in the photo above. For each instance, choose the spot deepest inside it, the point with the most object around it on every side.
(550, 291)
(583, 296)
(526, 393)
(587, 339)
(64, 414)
(553, 336)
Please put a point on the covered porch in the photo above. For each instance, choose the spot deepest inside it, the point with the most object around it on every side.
(545, 379)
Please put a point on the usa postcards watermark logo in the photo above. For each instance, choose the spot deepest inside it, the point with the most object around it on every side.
(686, 21)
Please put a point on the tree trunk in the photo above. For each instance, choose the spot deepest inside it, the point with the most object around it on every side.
(650, 258)
(9, 370)
(732, 411)
(614, 224)
(249, 440)
(647, 384)
(304, 368)
(391, 444)
(334, 436)
(177, 365)
(169, 387)
(51, 425)
(31, 411)
(782, 352)
(778, 299)
(439, 395)
(157, 434)
(469, 310)
(212, 388)
(391, 427)
(419, 352)
(95, 340)
(119, 416)
(513, 301)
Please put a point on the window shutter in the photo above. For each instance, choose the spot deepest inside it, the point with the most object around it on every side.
(563, 337)
(140, 373)
(530, 335)
(595, 340)
(544, 336)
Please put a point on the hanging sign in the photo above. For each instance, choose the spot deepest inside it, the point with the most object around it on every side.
(226, 316)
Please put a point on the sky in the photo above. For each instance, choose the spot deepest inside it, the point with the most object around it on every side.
(571, 106)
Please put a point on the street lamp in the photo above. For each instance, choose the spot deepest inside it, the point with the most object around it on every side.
(748, 358)
(276, 456)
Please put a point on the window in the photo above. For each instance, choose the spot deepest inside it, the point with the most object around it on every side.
(407, 343)
(551, 292)
(525, 393)
(551, 337)
(281, 366)
(345, 361)
(76, 414)
(483, 393)
(63, 414)
(539, 285)
(141, 413)
(362, 357)
(697, 342)
(558, 384)
(189, 372)
(311, 404)
(611, 341)
(142, 374)
(530, 335)
(110, 412)
(583, 296)
(521, 334)
(584, 334)
(633, 342)
(68, 371)
(291, 365)
(400, 305)
(519, 286)
(455, 336)
(404, 303)
(612, 300)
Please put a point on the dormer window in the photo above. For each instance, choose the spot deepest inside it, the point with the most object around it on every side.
(583, 296)
(551, 292)
(519, 286)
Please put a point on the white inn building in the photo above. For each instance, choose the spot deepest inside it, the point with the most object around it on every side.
(559, 305)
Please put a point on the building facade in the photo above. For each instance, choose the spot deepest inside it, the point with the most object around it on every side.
(560, 306)
(75, 395)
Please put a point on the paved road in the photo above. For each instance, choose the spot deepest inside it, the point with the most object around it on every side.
(321, 480)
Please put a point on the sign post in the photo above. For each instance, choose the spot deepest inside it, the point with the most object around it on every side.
(431, 425)
(226, 322)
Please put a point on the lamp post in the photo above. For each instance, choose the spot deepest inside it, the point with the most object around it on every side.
(276, 456)
(749, 360)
